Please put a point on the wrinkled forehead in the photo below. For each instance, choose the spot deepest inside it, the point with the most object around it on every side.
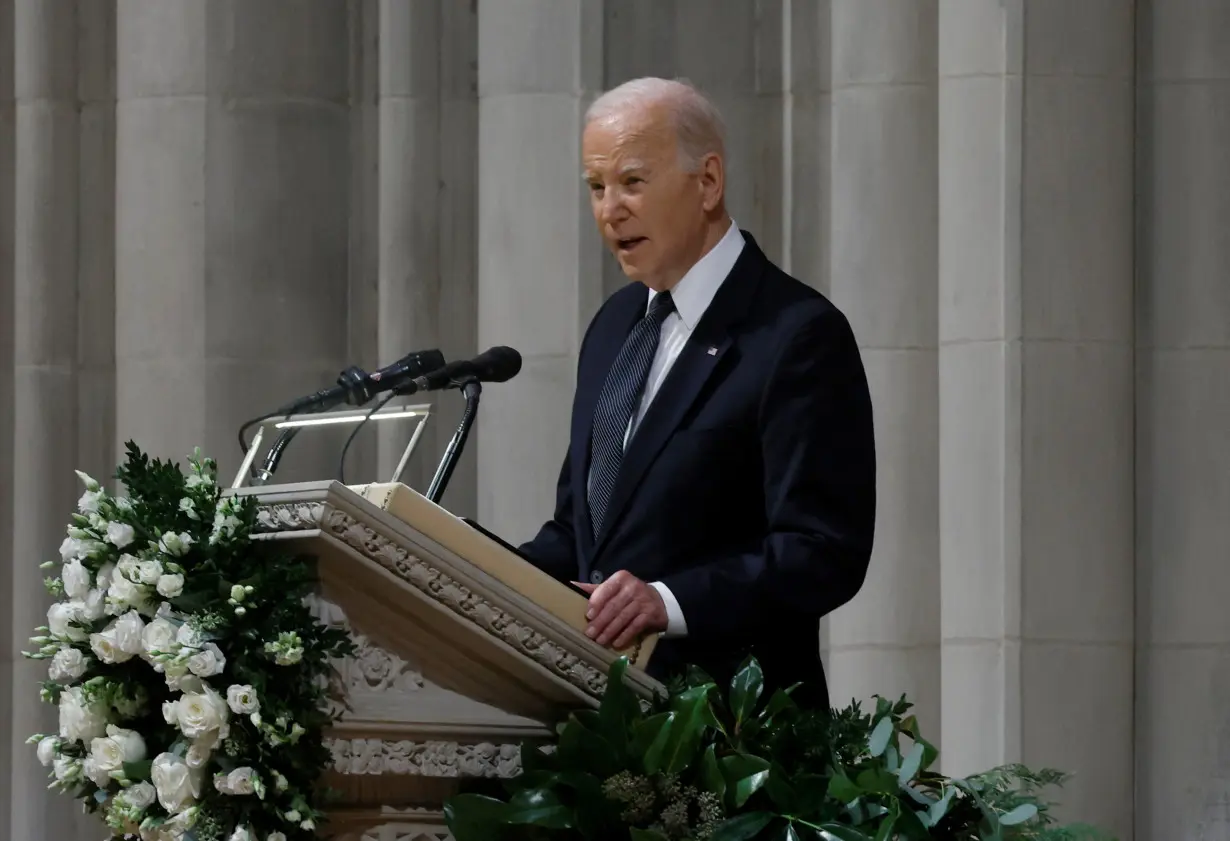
(627, 141)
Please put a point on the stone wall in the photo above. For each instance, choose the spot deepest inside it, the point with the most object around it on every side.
(210, 206)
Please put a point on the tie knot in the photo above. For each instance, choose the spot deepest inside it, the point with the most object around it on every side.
(661, 306)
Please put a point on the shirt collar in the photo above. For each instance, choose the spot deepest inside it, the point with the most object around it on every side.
(695, 290)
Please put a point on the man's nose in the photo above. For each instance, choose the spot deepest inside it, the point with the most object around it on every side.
(611, 209)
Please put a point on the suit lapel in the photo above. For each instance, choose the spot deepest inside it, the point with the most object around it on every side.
(696, 363)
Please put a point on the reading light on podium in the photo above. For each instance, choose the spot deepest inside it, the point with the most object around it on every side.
(349, 417)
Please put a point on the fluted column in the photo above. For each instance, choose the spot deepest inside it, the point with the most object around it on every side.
(1183, 420)
(735, 56)
(1036, 385)
(428, 133)
(232, 220)
(8, 641)
(807, 155)
(45, 374)
(883, 275)
(409, 183)
(539, 269)
(96, 431)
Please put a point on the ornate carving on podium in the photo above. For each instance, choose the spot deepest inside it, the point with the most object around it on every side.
(425, 759)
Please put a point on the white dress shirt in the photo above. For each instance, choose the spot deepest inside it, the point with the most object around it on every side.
(692, 296)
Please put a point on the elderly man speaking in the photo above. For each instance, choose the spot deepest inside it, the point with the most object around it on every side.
(719, 486)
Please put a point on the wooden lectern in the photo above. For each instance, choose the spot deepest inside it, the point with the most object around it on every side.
(464, 650)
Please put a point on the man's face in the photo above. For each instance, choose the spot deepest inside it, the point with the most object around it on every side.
(650, 212)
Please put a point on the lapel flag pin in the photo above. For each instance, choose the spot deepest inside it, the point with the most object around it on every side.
(713, 351)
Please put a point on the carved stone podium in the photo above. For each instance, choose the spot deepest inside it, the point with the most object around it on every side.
(465, 651)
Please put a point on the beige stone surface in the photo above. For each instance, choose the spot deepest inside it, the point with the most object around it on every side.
(210, 207)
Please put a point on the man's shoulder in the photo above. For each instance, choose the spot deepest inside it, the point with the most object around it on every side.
(785, 303)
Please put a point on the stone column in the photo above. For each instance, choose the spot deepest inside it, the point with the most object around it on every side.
(457, 230)
(96, 240)
(883, 269)
(1036, 394)
(1183, 420)
(744, 78)
(232, 220)
(8, 640)
(409, 148)
(539, 265)
(45, 375)
(807, 124)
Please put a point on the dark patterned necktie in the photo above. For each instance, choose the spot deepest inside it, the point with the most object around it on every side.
(617, 402)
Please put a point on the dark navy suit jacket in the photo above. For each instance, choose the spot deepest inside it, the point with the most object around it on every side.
(749, 486)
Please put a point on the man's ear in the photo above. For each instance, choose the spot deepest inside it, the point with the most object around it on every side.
(712, 181)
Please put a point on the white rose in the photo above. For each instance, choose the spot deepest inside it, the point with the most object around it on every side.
(170, 712)
(241, 834)
(208, 662)
(175, 544)
(94, 771)
(201, 713)
(68, 664)
(106, 646)
(238, 782)
(94, 607)
(120, 535)
(103, 579)
(48, 748)
(129, 632)
(76, 579)
(173, 829)
(177, 785)
(123, 503)
(90, 501)
(159, 635)
(107, 756)
(242, 699)
(128, 565)
(130, 742)
(59, 615)
(170, 585)
(148, 572)
(124, 593)
(79, 721)
(140, 796)
(276, 836)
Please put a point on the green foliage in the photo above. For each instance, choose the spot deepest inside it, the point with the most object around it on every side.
(706, 765)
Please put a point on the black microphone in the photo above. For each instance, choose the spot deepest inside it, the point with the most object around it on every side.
(497, 365)
(356, 386)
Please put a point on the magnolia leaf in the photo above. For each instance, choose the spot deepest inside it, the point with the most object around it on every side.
(582, 748)
(745, 774)
(710, 774)
(886, 828)
(745, 689)
(780, 791)
(742, 827)
(618, 709)
(692, 716)
(840, 832)
(475, 817)
(877, 780)
(913, 761)
(843, 789)
(539, 807)
(892, 759)
(657, 732)
(790, 834)
(1018, 815)
(878, 740)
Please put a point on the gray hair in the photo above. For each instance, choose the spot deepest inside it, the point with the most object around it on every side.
(699, 128)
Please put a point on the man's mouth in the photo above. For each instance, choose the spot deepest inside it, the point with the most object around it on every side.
(629, 243)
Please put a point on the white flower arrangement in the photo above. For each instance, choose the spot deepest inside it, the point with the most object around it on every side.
(189, 686)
